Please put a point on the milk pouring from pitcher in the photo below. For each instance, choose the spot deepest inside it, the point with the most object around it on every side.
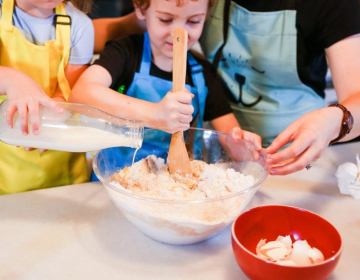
(79, 128)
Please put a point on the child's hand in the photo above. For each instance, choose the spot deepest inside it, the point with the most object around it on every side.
(174, 112)
(25, 96)
(29, 149)
(238, 151)
(237, 133)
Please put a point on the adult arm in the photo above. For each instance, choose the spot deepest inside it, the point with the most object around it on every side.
(312, 133)
(344, 62)
(111, 28)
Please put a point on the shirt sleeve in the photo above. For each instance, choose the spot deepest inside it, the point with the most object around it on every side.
(337, 20)
(113, 59)
(217, 104)
(82, 36)
(120, 58)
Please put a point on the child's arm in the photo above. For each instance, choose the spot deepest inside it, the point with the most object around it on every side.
(171, 114)
(229, 124)
(72, 74)
(24, 96)
(225, 123)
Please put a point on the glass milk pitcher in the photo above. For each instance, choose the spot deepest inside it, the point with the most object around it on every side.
(80, 128)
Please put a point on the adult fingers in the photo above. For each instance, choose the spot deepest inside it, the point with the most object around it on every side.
(295, 149)
(297, 163)
(280, 141)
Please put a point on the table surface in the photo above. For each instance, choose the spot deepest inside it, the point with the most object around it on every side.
(76, 232)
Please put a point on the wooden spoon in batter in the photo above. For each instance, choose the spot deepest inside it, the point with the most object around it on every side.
(178, 158)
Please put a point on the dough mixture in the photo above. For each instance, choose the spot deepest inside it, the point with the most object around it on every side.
(150, 177)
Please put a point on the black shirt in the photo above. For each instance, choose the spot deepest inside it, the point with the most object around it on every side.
(122, 58)
(320, 24)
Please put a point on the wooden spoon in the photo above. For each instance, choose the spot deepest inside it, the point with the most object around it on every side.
(178, 158)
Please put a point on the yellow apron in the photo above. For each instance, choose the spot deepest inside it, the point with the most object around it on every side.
(21, 170)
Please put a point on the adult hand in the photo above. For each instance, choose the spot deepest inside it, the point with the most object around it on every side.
(25, 96)
(174, 112)
(308, 137)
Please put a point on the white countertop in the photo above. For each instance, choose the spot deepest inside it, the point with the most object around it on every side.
(76, 232)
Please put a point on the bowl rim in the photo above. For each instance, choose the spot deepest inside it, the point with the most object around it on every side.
(337, 254)
(185, 201)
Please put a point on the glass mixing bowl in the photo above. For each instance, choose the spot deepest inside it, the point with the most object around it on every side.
(180, 221)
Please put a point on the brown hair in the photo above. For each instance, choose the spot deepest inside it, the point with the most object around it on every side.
(82, 5)
(144, 4)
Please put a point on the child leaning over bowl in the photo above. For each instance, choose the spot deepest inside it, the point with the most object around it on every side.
(140, 67)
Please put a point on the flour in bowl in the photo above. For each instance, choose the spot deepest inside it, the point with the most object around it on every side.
(150, 177)
(178, 210)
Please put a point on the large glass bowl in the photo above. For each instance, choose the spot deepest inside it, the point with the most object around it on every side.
(180, 221)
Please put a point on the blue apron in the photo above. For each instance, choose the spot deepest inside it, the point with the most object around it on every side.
(258, 64)
(153, 89)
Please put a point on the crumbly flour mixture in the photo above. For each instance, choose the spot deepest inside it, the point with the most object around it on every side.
(180, 221)
(150, 177)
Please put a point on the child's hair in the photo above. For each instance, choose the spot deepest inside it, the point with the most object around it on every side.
(82, 5)
(144, 4)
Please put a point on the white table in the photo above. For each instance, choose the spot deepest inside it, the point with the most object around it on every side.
(76, 232)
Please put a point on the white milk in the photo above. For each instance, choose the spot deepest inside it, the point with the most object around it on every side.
(69, 138)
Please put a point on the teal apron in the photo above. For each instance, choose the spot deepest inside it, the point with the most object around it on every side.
(256, 57)
(154, 89)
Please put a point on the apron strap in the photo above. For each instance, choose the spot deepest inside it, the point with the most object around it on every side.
(225, 33)
(146, 56)
(62, 24)
(7, 13)
(199, 83)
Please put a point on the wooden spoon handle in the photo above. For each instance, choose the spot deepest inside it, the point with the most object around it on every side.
(180, 41)
(178, 158)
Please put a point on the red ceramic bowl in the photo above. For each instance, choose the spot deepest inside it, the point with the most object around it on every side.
(271, 221)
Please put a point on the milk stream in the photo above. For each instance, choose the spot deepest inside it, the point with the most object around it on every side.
(69, 138)
(132, 164)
